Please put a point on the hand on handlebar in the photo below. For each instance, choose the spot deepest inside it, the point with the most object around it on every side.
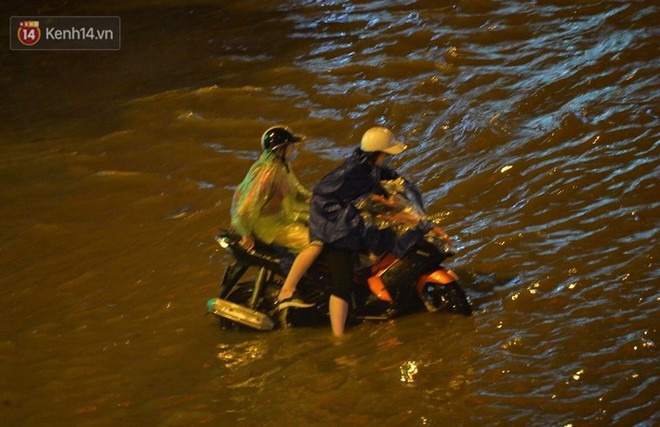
(384, 200)
(444, 236)
(247, 242)
(402, 218)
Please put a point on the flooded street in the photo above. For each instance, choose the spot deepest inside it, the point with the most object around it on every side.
(534, 133)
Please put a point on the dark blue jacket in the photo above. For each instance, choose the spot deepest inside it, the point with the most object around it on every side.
(336, 221)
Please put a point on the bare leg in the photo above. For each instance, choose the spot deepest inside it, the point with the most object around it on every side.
(300, 266)
(338, 313)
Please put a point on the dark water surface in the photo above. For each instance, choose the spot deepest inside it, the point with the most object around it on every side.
(534, 131)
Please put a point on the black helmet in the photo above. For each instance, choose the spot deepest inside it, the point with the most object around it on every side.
(277, 136)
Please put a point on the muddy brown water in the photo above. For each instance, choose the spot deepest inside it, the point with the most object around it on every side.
(533, 130)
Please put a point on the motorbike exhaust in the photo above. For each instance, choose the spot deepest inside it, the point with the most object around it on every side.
(240, 314)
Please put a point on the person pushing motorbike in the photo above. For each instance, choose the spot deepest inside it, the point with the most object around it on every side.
(335, 218)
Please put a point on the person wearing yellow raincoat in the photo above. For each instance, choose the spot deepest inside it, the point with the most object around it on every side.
(271, 205)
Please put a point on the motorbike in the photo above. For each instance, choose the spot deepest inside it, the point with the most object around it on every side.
(384, 289)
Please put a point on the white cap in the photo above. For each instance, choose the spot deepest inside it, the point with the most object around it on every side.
(381, 139)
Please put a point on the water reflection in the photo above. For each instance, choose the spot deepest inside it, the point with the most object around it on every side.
(241, 354)
(408, 371)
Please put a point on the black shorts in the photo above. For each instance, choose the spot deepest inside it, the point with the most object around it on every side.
(342, 262)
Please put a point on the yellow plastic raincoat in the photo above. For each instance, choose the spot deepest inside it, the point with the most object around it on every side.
(272, 205)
